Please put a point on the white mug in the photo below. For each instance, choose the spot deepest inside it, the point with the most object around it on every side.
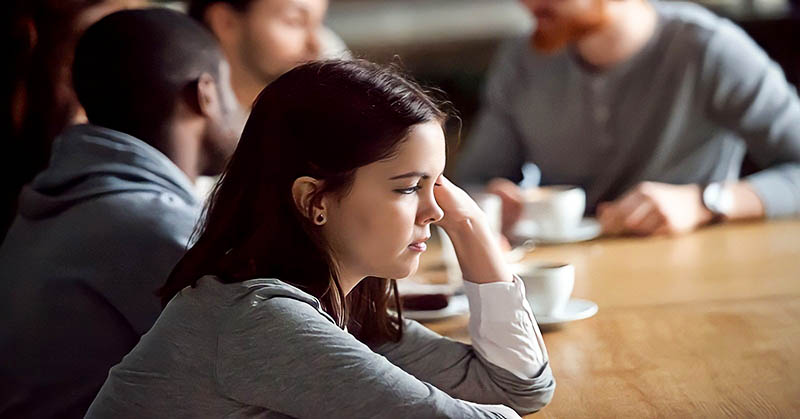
(492, 206)
(548, 286)
(556, 210)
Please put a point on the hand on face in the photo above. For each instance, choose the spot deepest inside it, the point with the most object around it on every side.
(457, 206)
(479, 253)
(654, 208)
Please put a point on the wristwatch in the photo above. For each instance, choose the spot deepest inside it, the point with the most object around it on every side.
(718, 198)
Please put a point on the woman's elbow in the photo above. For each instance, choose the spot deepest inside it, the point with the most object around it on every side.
(536, 396)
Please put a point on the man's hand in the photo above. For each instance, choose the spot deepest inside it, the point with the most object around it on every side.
(511, 196)
(655, 208)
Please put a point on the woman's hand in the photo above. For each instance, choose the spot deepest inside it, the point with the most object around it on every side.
(459, 209)
(475, 243)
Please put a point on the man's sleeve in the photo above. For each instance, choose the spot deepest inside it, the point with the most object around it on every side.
(750, 96)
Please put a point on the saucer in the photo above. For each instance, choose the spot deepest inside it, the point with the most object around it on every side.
(456, 306)
(576, 309)
(587, 229)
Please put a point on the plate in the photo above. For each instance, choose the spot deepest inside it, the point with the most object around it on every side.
(587, 229)
(456, 306)
(576, 309)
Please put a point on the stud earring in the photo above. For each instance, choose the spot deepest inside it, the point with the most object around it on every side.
(320, 219)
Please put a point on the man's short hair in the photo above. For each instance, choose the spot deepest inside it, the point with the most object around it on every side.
(197, 8)
(132, 66)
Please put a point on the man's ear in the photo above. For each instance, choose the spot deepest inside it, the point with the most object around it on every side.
(208, 100)
(305, 192)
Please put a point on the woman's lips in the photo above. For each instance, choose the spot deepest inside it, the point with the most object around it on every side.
(419, 246)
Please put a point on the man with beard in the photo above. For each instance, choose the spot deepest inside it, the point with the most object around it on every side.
(262, 39)
(649, 107)
(101, 228)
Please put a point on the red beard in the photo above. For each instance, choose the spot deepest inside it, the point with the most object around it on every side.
(566, 30)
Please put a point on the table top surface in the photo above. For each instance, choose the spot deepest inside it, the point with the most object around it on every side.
(701, 325)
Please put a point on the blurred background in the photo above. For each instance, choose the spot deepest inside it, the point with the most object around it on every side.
(450, 43)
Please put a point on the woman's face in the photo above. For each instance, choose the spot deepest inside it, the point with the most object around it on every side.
(380, 226)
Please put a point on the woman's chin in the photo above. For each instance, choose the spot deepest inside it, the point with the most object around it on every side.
(403, 266)
(406, 270)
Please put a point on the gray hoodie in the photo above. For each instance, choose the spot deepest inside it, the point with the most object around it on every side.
(96, 234)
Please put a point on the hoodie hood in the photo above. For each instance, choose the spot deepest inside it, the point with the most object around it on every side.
(88, 161)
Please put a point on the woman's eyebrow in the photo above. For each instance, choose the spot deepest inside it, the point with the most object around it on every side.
(411, 174)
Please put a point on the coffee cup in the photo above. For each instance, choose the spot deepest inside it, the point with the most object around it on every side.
(548, 286)
(555, 210)
(492, 206)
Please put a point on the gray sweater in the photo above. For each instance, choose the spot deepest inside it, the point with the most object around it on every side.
(97, 233)
(262, 348)
(682, 110)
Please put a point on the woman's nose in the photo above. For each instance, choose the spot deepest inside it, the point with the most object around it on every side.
(430, 212)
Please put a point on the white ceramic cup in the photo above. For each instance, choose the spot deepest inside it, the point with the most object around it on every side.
(548, 286)
(492, 206)
(555, 210)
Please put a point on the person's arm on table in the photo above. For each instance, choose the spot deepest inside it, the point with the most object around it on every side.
(749, 95)
(286, 357)
(660, 208)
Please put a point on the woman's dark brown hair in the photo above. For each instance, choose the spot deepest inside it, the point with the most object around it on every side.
(325, 120)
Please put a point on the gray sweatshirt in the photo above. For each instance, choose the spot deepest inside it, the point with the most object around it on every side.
(262, 348)
(682, 110)
(97, 233)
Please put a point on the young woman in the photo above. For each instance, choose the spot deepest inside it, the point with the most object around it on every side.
(286, 305)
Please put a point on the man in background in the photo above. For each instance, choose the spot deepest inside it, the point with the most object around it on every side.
(649, 106)
(263, 39)
(101, 228)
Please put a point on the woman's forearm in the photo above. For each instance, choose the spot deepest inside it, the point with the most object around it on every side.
(478, 252)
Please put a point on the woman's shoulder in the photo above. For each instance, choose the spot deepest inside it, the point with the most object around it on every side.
(259, 302)
(269, 316)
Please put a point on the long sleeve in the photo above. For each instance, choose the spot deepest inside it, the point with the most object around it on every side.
(507, 364)
(750, 96)
(503, 328)
(494, 148)
(287, 357)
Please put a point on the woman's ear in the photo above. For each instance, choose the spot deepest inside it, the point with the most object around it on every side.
(305, 191)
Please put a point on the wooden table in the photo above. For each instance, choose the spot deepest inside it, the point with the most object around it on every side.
(702, 325)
